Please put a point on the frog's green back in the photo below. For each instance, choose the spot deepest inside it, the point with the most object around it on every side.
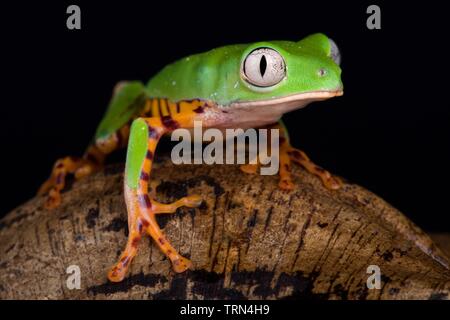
(215, 75)
(207, 75)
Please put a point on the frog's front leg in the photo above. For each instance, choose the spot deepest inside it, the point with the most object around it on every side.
(288, 154)
(144, 136)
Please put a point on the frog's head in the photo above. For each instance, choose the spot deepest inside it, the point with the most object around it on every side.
(286, 75)
(280, 76)
(258, 82)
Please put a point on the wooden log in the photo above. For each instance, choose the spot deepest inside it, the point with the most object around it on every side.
(248, 240)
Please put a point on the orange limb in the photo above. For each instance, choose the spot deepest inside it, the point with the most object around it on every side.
(328, 180)
(141, 218)
(250, 168)
(142, 209)
(285, 182)
(68, 165)
(91, 162)
(289, 154)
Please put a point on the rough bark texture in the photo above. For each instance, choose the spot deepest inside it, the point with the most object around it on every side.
(248, 240)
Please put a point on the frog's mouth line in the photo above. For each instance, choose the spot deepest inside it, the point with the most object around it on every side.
(298, 99)
(252, 114)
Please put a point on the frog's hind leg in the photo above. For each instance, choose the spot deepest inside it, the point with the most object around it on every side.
(57, 180)
(128, 100)
(92, 161)
(145, 134)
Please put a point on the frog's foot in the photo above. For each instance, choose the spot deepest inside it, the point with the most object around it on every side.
(141, 217)
(252, 167)
(300, 158)
(79, 167)
(249, 168)
(285, 176)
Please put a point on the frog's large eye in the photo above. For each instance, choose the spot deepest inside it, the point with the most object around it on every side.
(263, 67)
(335, 54)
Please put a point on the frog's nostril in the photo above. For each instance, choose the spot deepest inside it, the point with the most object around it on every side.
(322, 72)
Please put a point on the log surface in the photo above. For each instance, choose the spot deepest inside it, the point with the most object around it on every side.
(248, 240)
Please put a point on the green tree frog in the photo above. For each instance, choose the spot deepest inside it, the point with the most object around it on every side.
(235, 86)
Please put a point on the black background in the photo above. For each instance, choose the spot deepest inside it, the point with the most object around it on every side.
(390, 132)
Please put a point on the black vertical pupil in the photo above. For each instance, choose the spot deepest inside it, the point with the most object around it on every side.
(263, 65)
